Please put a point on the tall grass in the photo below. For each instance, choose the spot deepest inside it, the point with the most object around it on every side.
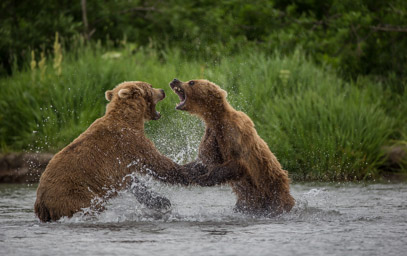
(319, 126)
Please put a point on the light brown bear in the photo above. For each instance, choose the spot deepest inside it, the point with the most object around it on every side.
(232, 151)
(97, 164)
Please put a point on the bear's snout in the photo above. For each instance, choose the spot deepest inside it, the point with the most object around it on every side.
(162, 94)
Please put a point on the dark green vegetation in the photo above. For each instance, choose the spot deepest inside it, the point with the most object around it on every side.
(357, 37)
(319, 126)
(323, 81)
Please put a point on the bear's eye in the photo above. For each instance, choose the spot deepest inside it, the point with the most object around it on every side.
(191, 83)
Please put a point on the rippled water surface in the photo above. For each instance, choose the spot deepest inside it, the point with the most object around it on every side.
(329, 219)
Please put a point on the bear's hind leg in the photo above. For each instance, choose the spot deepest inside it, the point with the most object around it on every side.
(42, 211)
(251, 201)
(248, 199)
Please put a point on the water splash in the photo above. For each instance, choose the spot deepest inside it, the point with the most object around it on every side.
(178, 137)
(200, 204)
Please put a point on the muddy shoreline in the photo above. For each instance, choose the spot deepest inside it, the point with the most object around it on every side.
(23, 167)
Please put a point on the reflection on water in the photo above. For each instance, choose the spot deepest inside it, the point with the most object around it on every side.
(345, 219)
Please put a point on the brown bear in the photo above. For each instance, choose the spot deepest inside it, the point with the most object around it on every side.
(101, 160)
(232, 151)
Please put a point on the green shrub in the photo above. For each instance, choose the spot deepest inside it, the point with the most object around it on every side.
(319, 126)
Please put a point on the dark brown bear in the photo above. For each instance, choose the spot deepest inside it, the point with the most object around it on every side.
(232, 151)
(97, 164)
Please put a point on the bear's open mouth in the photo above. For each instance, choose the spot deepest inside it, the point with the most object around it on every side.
(157, 115)
(176, 86)
(154, 114)
(182, 97)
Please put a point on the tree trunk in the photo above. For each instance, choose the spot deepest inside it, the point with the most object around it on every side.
(85, 21)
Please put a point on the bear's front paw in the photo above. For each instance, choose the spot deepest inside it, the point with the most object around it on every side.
(159, 203)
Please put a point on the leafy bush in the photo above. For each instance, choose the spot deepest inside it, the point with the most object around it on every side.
(318, 125)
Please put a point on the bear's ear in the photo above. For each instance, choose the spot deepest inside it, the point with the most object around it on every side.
(138, 91)
(124, 93)
(109, 95)
(128, 92)
(220, 94)
(224, 93)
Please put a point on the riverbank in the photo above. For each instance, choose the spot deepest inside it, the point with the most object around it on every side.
(28, 167)
(22, 167)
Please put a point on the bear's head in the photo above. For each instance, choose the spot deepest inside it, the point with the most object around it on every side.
(199, 97)
(135, 98)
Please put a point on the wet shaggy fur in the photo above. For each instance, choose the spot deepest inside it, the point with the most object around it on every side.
(94, 166)
(232, 151)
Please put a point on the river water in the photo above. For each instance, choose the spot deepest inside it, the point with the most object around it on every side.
(328, 219)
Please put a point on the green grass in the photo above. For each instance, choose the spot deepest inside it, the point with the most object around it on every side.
(319, 126)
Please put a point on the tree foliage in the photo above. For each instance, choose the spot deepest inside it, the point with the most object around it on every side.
(358, 37)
